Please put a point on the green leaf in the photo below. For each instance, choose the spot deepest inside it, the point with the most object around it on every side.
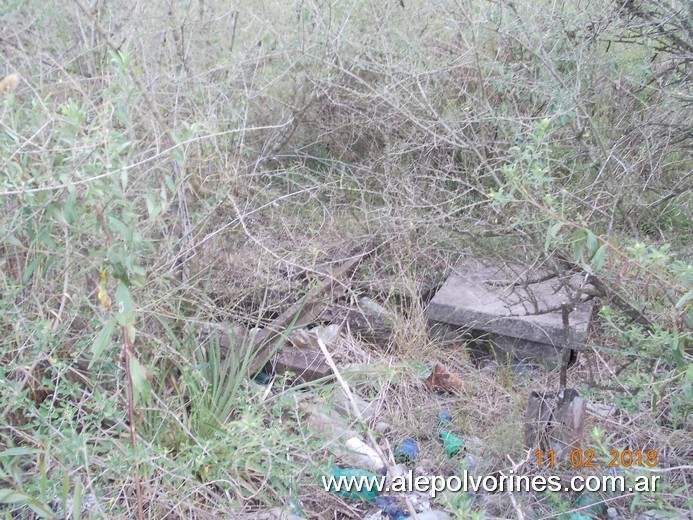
(551, 234)
(153, 206)
(586, 266)
(70, 209)
(77, 500)
(126, 307)
(16, 452)
(592, 243)
(124, 178)
(170, 184)
(684, 299)
(578, 244)
(102, 341)
(13, 241)
(9, 496)
(599, 258)
(65, 489)
(140, 384)
(41, 510)
(33, 265)
(120, 227)
(121, 113)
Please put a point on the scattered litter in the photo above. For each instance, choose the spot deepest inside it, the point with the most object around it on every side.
(326, 423)
(343, 407)
(407, 450)
(363, 456)
(593, 504)
(390, 507)
(262, 378)
(451, 442)
(366, 494)
(304, 338)
(398, 470)
(442, 380)
(434, 515)
(444, 418)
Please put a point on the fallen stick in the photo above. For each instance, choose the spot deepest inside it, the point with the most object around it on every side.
(356, 413)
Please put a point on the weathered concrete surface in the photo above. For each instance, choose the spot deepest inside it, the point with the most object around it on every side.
(307, 365)
(555, 422)
(544, 354)
(511, 301)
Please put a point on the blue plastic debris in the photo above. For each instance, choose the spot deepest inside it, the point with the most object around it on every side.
(389, 507)
(444, 418)
(451, 442)
(407, 450)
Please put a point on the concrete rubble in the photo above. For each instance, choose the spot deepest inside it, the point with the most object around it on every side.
(518, 308)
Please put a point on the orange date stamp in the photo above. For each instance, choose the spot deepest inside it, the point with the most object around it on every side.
(587, 459)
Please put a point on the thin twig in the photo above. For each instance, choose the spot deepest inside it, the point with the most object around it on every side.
(358, 417)
(127, 347)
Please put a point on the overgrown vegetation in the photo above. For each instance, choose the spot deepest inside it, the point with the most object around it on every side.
(167, 165)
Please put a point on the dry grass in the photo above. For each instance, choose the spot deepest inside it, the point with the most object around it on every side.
(166, 165)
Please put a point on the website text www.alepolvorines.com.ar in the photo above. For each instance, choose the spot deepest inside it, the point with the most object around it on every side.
(409, 483)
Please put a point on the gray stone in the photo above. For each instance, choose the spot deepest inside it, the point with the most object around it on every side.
(555, 422)
(511, 301)
(542, 353)
(613, 514)
(306, 365)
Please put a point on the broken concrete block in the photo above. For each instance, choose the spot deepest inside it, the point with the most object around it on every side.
(555, 422)
(368, 320)
(514, 303)
(540, 353)
(307, 365)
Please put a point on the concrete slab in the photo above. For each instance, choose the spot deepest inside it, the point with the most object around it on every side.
(510, 300)
(542, 354)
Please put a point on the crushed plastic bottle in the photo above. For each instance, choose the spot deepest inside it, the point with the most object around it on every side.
(389, 507)
(368, 488)
(444, 418)
(594, 504)
(362, 455)
(451, 442)
(407, 450)
(262, 378)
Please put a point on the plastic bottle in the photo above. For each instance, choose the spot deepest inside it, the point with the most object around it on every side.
(451, 442)
(368, 480)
